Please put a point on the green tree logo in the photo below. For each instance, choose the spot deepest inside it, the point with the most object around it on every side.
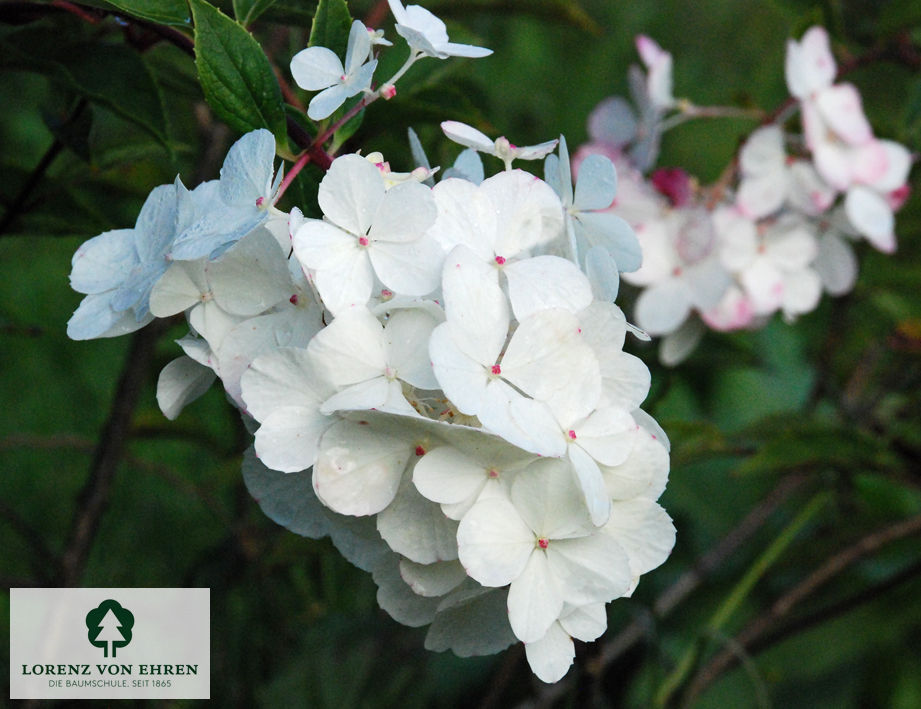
(109, 626)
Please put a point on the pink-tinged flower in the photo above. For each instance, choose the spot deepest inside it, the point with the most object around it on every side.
(658, 64)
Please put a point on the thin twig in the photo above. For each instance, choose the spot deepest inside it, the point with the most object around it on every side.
(812, 583)
(94, 498)
(669, 599)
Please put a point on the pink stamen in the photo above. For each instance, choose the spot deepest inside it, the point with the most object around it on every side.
(572, 434)
(543, 542)
(420, 451)
(293, 299)
(496, 369)
(492, 473)
(260, 201)
(500, 260)
(363, 240)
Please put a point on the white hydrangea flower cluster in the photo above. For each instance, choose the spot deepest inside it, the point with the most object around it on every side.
(776, 236)
(434, 373)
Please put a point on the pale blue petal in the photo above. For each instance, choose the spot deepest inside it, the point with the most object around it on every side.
(597, 183)
(468, 166)
(99, 264)
(602, 274)
(156, 224)
(247, 171)
(419, 156)
(612, 121)
(614, 234)
(94, 318)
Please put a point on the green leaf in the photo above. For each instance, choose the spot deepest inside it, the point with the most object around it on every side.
(331, 25)
(163, 12)
(111, 75)
(247, 11)
(235, 74)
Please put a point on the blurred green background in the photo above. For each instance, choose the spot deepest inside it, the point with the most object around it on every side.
(796, 460)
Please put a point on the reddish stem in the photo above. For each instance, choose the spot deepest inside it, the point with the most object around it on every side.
(292, 173)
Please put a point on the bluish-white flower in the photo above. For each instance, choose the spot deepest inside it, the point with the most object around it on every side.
(217, 214)
(428, 35)
(118, 269)
(319, 69)
(600, 241)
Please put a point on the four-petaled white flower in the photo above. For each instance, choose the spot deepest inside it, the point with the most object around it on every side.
(428, 35)
(470, 137)
(369, 232)
(319, 69)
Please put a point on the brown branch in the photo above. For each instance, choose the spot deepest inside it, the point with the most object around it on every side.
(94, 498)
(688, 582)
(812, 583)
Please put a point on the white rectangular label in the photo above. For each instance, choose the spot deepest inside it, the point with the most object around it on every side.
(110, 643)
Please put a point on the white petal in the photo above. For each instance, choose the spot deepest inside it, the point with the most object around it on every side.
(182, 381)
(351, 348)
(325, 103)
(416, 528)
(358, 470)
(585, 623)
(548, 500)
(396, 597)
(407, 336)
(367, 395)
(872, 217)
(462, 379)
(591, 482)
(467, 136)
(644, 473)
(252, 276)
(591, 569)
(465, 216)
(678, 345)
(179, 288)
(446, 475)
(350, 193)
(406, 211)
(836, 264)
(432, 580)
(551, 657)
(644, 530)
(316, 68)
(662, 308)
(842, 109)
(544, 282)
(476, 308)
(471, 622)
(534, 599)
(493, 542)
(411, 268)
(287, 438)
(283, 377)
(528, 212)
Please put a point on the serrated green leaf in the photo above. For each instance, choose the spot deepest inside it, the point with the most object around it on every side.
(331, 25)
(247, 11)
(163, 12)
(111, 75)
(235, 74)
